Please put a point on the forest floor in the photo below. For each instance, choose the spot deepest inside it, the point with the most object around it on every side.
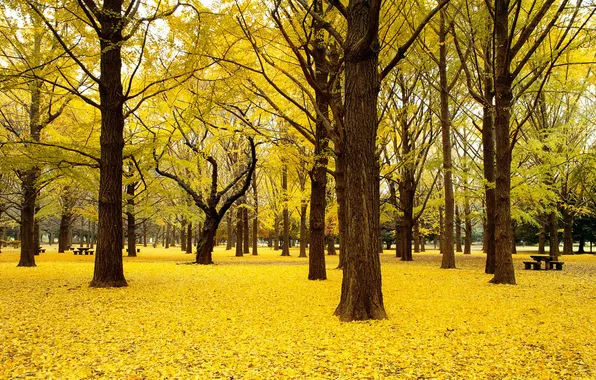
(267, 321)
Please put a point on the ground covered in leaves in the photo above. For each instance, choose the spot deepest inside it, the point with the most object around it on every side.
(260, 318)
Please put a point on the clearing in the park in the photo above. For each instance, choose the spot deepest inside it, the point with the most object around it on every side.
(258, 317)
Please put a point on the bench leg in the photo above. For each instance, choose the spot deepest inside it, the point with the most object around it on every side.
(527, 265)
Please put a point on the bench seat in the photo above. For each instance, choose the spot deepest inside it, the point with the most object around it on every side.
(532, 265)
(558, 265)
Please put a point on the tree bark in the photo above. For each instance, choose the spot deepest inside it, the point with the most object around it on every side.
(189, 238)
(542, 239)
(239, 236)
(246, 234)
(230, 228)
(131, 220)
(183, 235)
(285, 249)
(361, 294)
(567, 232)
(207, 240)
(488, 149)
(458, 247)
(108, 270)
(303, 233)
(255, 220)
(276, 233)
(448, 260)
(167, 236)
(553, 232)
(504, 270)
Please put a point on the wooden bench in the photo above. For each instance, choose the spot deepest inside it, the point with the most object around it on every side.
(532, 264)
(138, 250)
(90, 252)
(558, 265)
(42, 250)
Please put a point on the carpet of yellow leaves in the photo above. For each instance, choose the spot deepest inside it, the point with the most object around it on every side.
(260, 318)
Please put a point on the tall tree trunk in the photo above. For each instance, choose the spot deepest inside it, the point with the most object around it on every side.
(331, 245)
(189, 238)
(239, 228)
(340, 192)
(63, 235)
(468, 223)
(441, 230)
(458, 247)
(108, 270)
(29, 176)
(504, 270)
(255, 220)
(245, 227)
(567, 232)
(207, 240)
(417, 237)
(131, 220)
(144, 233)
(303, 233)
(285, 249)
(553, 225)
(542, 239)
(488, 148)
(36, 235)
(230, 229)
(448, 260)
(361, 294)
(318, 173)
(167, 236)
(183, 235)
(276, 232)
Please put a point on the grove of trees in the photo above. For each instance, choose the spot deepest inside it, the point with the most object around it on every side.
(360, 122)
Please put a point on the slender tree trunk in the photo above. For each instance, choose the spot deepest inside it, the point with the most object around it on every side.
(504, 270)
(29, 176)
(361, 294)
(488, 147)
(144, 233)
(567, 232)
(448, 260)
(239, 236)
(542, 239)
(183, 235)
(285, 249)
(230, 227)
(65, 222)
(417, 237)
(276, 233)
(553, 226)
(131, 220)
(108, 270)
(189, 238)
(245, 227)
(458, 247)
(303, 233)
(341, 201)
(36, 235)
(167, 237)
(331, 245)
(255, 220)
(468, 242)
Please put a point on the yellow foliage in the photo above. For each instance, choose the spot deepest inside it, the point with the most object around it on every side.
(260, 318)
